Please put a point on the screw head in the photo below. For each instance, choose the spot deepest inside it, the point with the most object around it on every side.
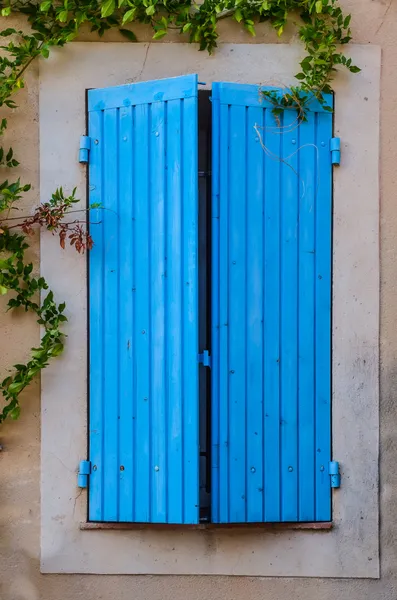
(94, 468)
(156, 468)
(96, 142)
(253, 469)
(322, 468)
(121, 468)
(294, 141)
(290, 469)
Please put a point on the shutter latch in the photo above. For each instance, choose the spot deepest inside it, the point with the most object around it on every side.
(335, 150)
(84, 471)
(334, 474)
(85, 147)
(204, 359)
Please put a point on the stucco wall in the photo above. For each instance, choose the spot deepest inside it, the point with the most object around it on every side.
(19, 472)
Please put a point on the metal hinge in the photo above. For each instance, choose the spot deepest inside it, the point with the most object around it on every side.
(85, 147)
(334, 474)
(84, 471)
(204, 359)
(335, 150)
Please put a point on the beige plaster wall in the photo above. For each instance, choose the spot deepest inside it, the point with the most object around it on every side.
(374, 21)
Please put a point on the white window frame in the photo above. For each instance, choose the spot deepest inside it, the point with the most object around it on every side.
(351, 547)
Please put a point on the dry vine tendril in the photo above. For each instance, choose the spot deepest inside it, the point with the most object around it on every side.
(322, 28)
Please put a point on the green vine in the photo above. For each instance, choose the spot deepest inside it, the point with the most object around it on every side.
(322, 28)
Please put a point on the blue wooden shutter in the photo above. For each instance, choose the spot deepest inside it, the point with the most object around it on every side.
(143, 417)
(271, 310)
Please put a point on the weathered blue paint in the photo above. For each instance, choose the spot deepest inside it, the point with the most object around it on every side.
(271, 310)
(143, 318)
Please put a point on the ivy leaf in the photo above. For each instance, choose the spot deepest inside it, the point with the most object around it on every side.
(319, 6)
(151, 10)
(129, 16)
(354, 69)
(130, 35)
(108, 8)
(3, 290)
(15, 412)
(159, 34)
(237, 15)
(15, 388)
(45, 51)
(57, 350)
(63, 16)
(46, 5)
(186, 27)
(300, 76)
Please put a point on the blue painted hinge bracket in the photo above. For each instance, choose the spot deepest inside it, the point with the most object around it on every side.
(335, 151)
(85, 147)
(205, 359)
(334, 474)
(84, 471)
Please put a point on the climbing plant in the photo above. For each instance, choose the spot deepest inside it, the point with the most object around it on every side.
(322, 28)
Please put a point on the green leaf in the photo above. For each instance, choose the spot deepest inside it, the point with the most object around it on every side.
(151, 10)
(15, 412)
(319, 6)
(15, 388)
(46, 5)
(129, 16)
(63, 16)
(354, 69)
(159, 34)
(130, 35)
(186, 27)
(300, 76)
(346, 22)
(5, 12)
(108, 8)
(57, 350)
(3, 290)
(237, 15)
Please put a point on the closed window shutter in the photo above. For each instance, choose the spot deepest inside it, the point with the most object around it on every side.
(143, 416)
(271, 310)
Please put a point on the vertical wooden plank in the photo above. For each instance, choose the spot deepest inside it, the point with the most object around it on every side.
(254, 322)
(223, 400)
(271, 325)
(96, 347)
(141, 249)
(237, 306)
(306, 320)
(173, 279)
(157, 330)
(323, 317)
(289, 317)
(190, 310)
(111, 266)
(126, 315)
(215, 293)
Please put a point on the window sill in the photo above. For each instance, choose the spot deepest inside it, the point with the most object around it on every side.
(323, 526)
